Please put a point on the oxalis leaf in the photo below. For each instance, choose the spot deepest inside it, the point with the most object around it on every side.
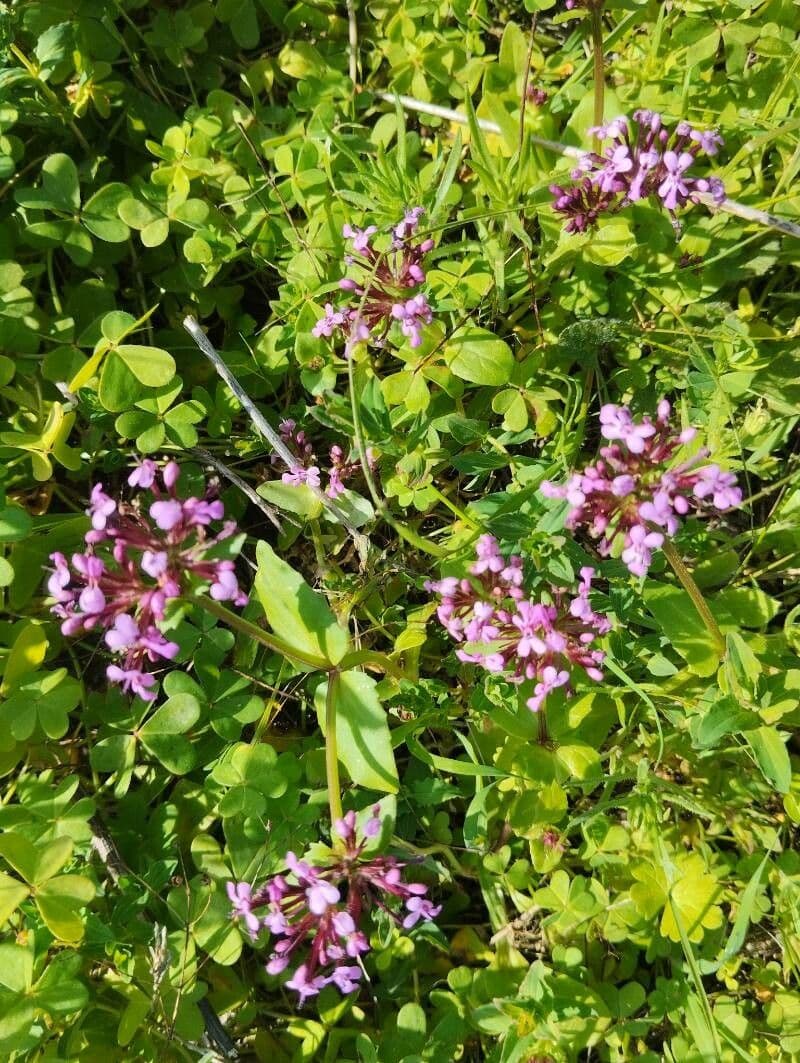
(296, 613)
(362, 731)
(477, 355)
(164, 733)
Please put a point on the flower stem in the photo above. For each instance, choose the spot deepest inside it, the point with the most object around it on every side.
(371, 659)
(599, 67)
(272, 642)
(544, 737)
(381, 508)
(687, 581)
(331, 752)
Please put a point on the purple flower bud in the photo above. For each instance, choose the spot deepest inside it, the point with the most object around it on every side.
(172, 472)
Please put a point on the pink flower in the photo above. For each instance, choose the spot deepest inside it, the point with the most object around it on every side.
(505, 632)
(383, 291)
(643, 161)
(638, 490)
(139, 556)
(317, 911)
(101, 507)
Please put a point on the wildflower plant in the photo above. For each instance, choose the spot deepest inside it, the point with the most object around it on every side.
(543, 640)
(642, 160)
(142, 553)
(318, 913)
(306, 470)
(635, 496)
(384, 287)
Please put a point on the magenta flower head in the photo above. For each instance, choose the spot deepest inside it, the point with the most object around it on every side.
(306, 470)
(141, 554)
(638, 491)
(384, 288)
(642, 160)
(318, 911)
(509, 634)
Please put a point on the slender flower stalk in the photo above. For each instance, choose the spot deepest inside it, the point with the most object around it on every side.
(318, 911)
(509, 634)
(140, 555)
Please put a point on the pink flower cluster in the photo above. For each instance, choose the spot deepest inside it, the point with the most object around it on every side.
(635, 494)
(318, 912)
(307, 471)
(384, 289)
(643, 159)
(506, 632)
(139, 556)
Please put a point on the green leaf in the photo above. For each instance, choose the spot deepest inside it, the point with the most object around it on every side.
(58, 902)
(678, 619)
(723, 718)
(16, 966)
(298, 499)
(119, 389)
(12, 894)
(15, 523)
(26, 654)
(163, 733)
(100, 215)
(36, 865)
(251, 766)
(59, 991)
(362, 731)
(114, 754)
(581, 761)
(295, 612)
(150, 365)
(772, 757)
(60, 189)
(198, 251)
(48, 698)
(154, 234)
(477, 355)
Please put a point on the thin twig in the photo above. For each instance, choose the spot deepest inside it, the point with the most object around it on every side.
(234, 478)
(730, 206)
(262, 425)
(105, 847)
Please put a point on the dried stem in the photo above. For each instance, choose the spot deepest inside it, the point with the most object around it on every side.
(234, 478)
(262, 425)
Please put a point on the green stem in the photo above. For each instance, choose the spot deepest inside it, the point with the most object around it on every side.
(544, 737)
(52, 98)
(51, 280)
(331, 752)
(687, 581)
(599, 66)
(455, 509)
(367, 658)
(272, 642)
(381, 509)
